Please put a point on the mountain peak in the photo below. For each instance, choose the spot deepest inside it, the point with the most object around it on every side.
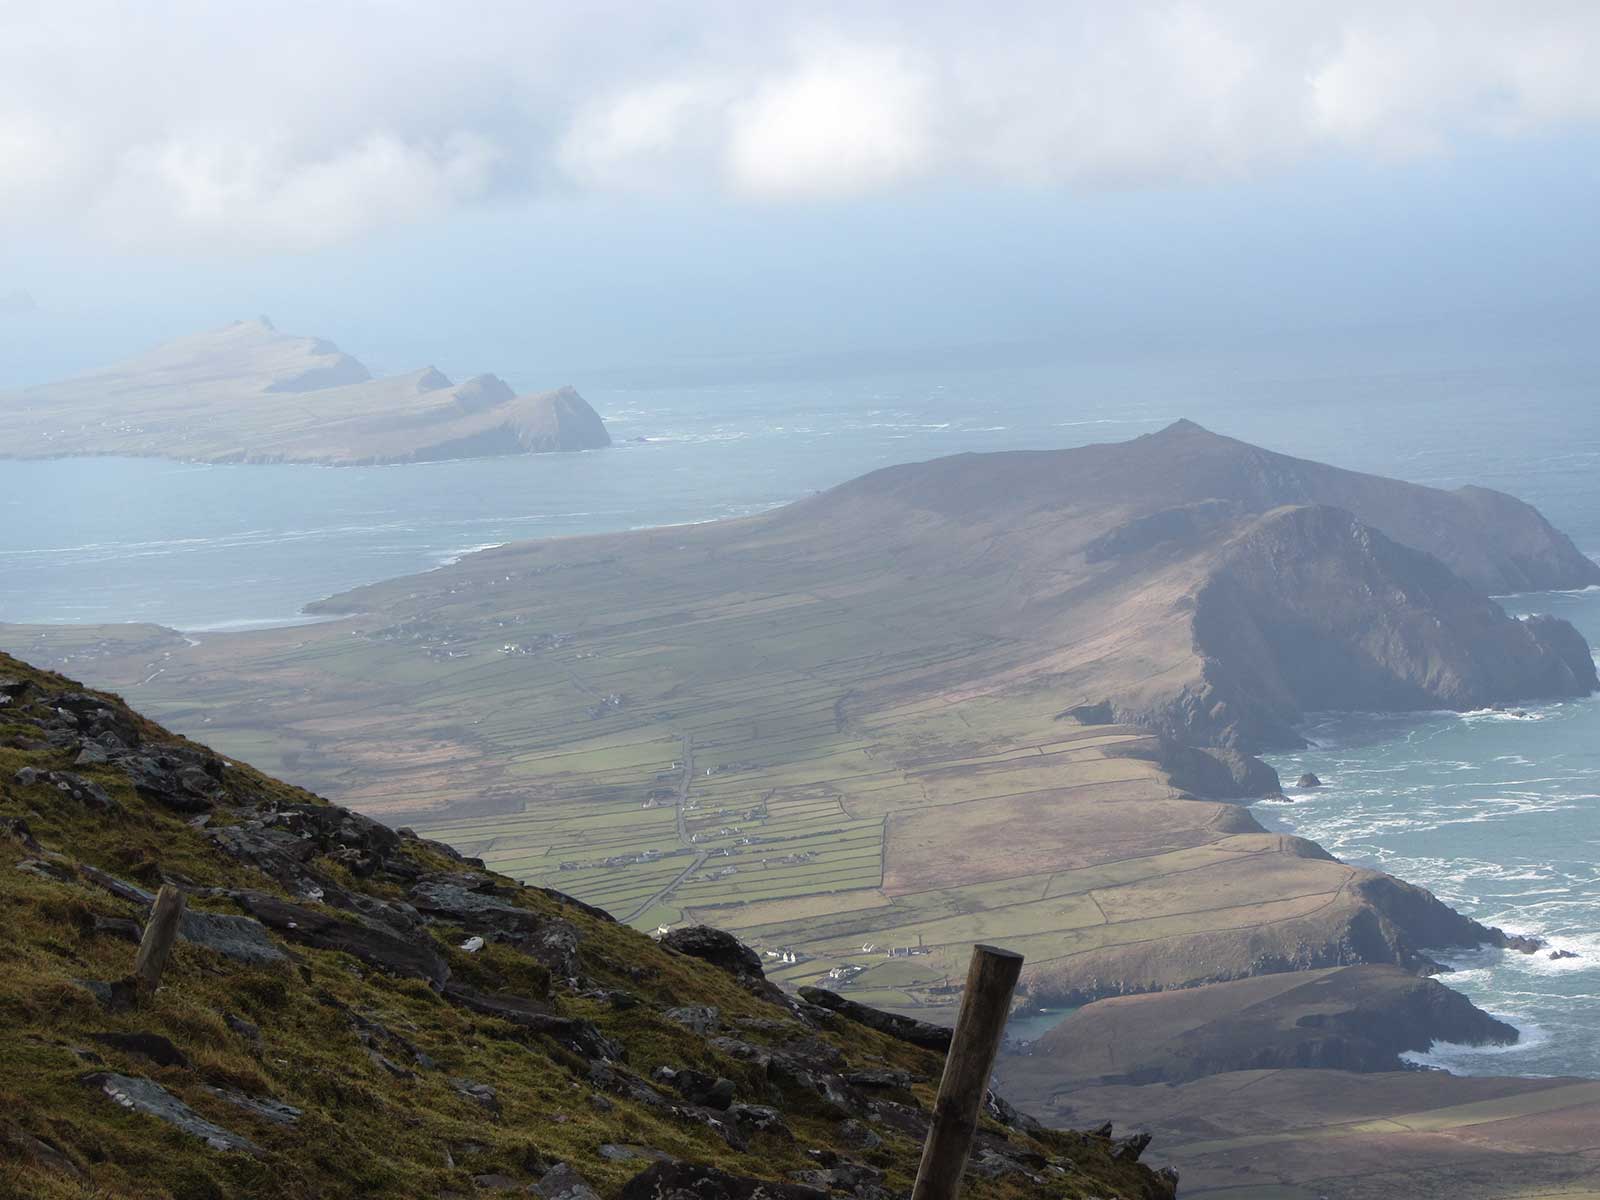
(1184, 427)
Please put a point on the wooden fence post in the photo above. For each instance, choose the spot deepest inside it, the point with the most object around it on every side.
(985, 1004)
(166, 915)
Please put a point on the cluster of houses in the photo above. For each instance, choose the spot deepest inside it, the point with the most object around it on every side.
(609, 703)
(624, 860)
(544, 641)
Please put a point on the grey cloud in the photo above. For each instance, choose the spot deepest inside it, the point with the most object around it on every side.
(302, 124)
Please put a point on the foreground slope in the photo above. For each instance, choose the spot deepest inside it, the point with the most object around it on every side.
(327, 1027)
(989, 697)
(248, 393)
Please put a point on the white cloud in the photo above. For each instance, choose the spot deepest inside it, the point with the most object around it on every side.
(844, 119)
(175, 122)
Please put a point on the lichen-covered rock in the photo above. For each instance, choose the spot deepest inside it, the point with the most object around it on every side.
(148, 1097)
(717, 948)
(379, 948)
(907, 1029)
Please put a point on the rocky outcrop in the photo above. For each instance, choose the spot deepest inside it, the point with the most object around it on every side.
(907, 1029)
(148, 1097)
(1307, 609)
(401, 956)
(1207, 772)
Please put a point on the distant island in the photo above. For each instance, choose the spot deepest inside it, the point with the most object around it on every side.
(248, 393)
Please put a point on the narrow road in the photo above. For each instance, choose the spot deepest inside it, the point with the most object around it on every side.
(700, 856)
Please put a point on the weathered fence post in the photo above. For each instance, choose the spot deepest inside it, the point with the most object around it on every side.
(985, 1004)
(166, 915)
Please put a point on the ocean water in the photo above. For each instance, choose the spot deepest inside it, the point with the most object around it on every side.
(1499, 815)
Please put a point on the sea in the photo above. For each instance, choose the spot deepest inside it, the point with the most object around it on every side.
(1499, 814)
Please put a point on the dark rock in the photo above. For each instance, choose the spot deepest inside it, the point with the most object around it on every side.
(121, 928)
(988, 1162)
(1308, 781)
(902, 1118)
(266, 1108)
(119, 888)
(379, 948)
(245, 1029)
(239, 938)
(701, 1087)
(1520, 942)
(689, 1181)
(153, 1046)
(115, 996)
(626, 1084)
(575, 1033)
(849, 1177)
(75, 787)
(717, 948)
(20, 1144)
(699, 1018)
(182, 779)
(1559, 954)
(881, 1077)
(387, 1065)
(907, 1029)
(17, 828)
(1101, 713)
(1209, 772)
(480, 1094)
(146, 1096)
(475, 910)
(1001, 1110)
(758, 1118)
(561, 1182)
(93, 754)
(1129, 1149)
(857, 1134)
(45, 869)
(619, 1152)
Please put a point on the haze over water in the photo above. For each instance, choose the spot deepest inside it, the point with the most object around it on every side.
(1496, 814)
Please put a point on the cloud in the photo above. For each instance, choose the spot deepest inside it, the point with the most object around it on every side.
(176, 123)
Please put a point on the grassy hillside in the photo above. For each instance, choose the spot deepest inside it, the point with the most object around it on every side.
(326, 1021)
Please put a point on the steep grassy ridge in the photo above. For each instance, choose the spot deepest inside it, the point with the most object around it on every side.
(326, 1028)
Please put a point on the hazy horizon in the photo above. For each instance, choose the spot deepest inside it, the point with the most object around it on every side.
(548, 197)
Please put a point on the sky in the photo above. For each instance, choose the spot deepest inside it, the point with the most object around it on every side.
(542, 189)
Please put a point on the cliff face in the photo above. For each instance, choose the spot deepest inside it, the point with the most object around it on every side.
(1307, 609)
